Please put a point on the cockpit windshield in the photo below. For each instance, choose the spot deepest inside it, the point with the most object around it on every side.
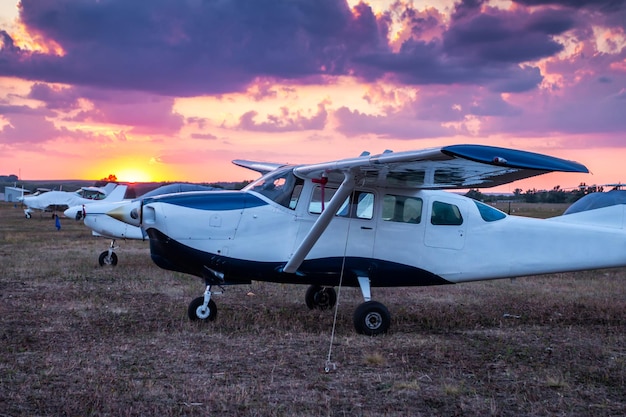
(90, 194)
(280, 186)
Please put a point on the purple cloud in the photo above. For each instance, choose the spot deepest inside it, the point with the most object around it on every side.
(392, 125)
(204, 136)
(212, 47)
(35, 128)
(121, 56)
(58, 99)
(481, 47)
(287, 121)
(189, 48)
(120, 108)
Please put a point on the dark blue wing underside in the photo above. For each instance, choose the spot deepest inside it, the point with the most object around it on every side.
(512, 158)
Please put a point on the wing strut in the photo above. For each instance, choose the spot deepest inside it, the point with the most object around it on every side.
(321, 223)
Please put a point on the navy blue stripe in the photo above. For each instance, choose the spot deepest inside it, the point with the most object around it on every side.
(172, 255)
(211, 200)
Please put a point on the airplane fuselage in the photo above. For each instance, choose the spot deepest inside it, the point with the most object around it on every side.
(246, 236)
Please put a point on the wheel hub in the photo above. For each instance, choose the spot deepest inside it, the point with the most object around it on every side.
(322, 298)
(373, 320)
(203, 313)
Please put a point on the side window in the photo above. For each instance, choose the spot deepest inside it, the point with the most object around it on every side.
(402, 209)
(445, 214)
(360, 204)
(315, 205)
(295, 195)
(364, 205)
(488, 213)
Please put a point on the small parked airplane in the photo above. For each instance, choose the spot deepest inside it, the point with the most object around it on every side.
(374, 221)
(94, 216)
(61, 200)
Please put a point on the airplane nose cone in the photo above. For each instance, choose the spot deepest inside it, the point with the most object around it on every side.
(127, 213)
(75, 212)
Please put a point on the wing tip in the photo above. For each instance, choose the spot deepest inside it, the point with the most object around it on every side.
(513, 158)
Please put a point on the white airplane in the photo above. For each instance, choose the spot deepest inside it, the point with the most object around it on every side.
(374, 221)
(94, 216)
(60, 200)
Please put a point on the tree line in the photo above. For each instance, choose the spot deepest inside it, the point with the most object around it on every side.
(555, 195)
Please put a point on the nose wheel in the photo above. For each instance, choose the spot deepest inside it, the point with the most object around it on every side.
(108, 257)
(198, 311)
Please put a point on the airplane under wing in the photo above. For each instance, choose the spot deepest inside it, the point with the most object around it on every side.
(447, 167)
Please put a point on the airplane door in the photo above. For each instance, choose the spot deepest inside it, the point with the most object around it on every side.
(446, 224)
(352, 231)
(361, 230)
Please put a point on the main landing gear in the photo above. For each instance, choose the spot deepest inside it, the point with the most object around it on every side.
(370, 318)
(321, 298)
(108, 257)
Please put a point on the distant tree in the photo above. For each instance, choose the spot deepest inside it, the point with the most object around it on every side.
(8, 178)
(240, 185)
(105, 180)
(556, 195)
(530, 196)
(475, 194)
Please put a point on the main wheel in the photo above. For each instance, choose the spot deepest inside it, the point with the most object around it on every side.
(105, 259)
(196, 312)
(320, 298)
(371, 318)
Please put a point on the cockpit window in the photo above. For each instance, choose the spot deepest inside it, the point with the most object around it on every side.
(488, 213)
(90, 194)
(280, 186)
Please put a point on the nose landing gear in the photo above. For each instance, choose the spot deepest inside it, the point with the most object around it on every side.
(108, 257)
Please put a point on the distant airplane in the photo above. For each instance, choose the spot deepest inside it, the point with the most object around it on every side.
(94, 216)
(374, 221)
(61, 200)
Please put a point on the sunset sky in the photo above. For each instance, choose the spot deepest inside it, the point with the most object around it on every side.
(173, 90)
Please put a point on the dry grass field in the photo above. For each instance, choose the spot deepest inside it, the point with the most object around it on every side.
(80, 340)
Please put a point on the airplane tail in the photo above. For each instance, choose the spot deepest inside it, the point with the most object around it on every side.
(108, 188)
(117, 194)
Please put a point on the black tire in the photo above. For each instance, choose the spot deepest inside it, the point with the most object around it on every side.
(196, 303)
(371, 318)
(104, 259)
(320, 298)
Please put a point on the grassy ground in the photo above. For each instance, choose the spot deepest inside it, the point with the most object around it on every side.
(78, 340)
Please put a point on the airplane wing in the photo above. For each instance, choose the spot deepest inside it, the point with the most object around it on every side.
(448, 167)
(260, 167)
